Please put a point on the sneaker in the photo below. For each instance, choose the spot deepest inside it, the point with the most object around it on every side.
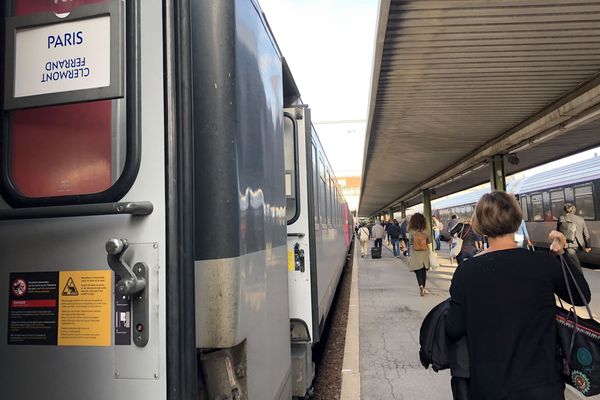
(425, 291)
(422, 291)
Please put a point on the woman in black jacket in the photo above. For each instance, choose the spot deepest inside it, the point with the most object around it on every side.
(503, 300)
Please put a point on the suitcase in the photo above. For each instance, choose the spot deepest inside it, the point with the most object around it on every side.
(375, 252)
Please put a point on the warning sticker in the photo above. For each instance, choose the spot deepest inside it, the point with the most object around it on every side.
(84, 308)
(291, 261)
(68, 308)
(32, 308)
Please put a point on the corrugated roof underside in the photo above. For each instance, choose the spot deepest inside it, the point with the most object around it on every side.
(457, 74)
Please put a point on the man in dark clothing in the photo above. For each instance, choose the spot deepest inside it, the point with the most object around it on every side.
(575, 230)
(404, 235)
(393, 231)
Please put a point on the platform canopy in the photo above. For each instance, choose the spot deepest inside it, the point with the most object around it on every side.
(456, 82)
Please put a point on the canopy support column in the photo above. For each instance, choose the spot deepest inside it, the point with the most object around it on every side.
(497, 177)
(427, 211)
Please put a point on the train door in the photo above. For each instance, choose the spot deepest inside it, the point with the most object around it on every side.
(302, 272)
(89, 181)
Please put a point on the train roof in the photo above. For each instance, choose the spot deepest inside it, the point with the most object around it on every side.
(471, 197)
(579, 172)
(582, 171)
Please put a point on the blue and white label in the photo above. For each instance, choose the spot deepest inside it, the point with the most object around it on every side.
(63, 57)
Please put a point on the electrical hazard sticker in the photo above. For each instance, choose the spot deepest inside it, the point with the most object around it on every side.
(67, 308)
(84, 308)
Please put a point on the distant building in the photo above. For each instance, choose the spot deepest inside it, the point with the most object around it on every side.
(350, 186)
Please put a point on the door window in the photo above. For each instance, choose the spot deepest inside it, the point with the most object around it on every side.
(584, 202)
(68, 154)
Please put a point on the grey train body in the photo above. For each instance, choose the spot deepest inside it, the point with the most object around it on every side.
(199, 192)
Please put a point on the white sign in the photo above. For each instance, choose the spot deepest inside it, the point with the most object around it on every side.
(62, 57)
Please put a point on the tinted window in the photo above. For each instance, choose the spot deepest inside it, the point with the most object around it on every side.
(315, 161)
(557, 201)
(65, 150)
(289, 152)
(524, 208)
(323, 195)
(537, 208)
(584, 202)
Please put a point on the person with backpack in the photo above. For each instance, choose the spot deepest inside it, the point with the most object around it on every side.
(363, 237)
(575, 230)
(419, 258)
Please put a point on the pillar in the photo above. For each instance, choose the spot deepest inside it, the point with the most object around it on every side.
(497, 177)
(427, 212)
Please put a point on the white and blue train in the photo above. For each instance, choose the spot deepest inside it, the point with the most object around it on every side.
(542, 197)
(175, 233)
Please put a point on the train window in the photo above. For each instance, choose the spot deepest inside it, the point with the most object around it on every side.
(524, 208)
(329, 205)
(70, 154)
(469, 210)
(557, 201)
(323, 195)
(315, 183)
(291, 166)
(537, 208)
(584, 202)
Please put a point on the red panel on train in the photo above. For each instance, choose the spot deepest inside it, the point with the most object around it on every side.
(61, 150)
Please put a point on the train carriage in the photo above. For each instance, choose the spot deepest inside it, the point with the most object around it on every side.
(542, 197)
(145, 241)
(318, 237)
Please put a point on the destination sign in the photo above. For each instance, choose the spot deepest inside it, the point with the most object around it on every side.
(63, 57)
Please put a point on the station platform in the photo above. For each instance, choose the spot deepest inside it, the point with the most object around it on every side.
(381, 358)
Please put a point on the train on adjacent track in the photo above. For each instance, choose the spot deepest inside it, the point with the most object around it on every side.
(193, 171)
(542, 197)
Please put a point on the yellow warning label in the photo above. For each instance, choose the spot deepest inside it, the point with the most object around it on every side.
(84, 308)
(291, 261)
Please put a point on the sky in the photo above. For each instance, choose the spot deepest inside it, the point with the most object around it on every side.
(329, 45)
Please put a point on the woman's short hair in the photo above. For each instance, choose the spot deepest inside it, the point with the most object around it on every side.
(417, 222)
(496, 214)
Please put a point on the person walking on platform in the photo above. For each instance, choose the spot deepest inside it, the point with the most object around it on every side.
(469, 248)
(394, 232)
(522, 236)
(452, 223)
(404, 237)
(419, 258)
(377, 233)
(437, 231)
(575, 230)
(503, 301)
(363, 237)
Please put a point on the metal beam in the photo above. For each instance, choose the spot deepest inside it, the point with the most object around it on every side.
(497, 178)
(427, 212)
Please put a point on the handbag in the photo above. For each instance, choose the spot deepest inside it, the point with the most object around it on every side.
(457, 242)
(433, 261)
(578, 343)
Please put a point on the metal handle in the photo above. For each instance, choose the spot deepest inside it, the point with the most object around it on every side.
(133, 283)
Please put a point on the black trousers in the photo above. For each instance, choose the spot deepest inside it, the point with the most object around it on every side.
(421, 276)
(572, 258)
(460, 388)
(378, 242)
